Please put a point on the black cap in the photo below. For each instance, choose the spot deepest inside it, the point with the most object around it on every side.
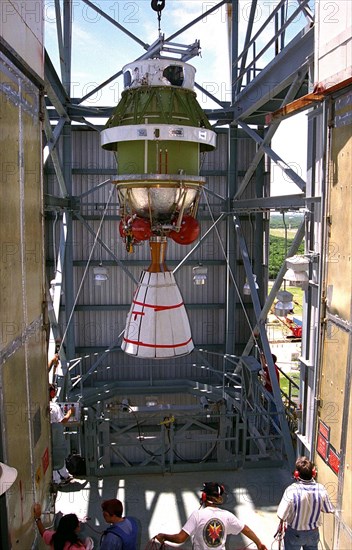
(214, 491)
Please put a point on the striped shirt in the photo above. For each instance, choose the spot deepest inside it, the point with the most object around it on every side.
(302, 504)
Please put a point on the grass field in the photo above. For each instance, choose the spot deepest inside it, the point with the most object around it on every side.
(280, 232)
(284, 383)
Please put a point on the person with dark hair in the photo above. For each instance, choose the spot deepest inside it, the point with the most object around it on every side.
(301, 506)
(66, 535)
(209, 525)
(123, 532)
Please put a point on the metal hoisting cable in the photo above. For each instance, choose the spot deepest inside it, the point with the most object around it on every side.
(158, 6)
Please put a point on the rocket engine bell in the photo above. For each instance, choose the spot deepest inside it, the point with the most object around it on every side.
(158, 132)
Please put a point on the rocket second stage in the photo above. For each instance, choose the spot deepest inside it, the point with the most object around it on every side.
(158, 132)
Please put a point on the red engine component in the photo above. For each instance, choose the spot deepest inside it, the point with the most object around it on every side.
(122, 228)
(141, 229)
(189, 231)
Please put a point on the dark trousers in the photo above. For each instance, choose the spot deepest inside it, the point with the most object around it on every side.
(295, 540)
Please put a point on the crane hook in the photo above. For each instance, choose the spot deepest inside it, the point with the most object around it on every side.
(158, 6)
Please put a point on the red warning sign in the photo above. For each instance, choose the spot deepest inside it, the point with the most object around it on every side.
(333, 460)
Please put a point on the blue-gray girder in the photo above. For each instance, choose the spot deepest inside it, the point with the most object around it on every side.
(52, 139)
(106, 247)
(264, 143)
(276, 286)
(54, 88)
(263, 148)
(276, 76)
(265, 204)
(286, 435)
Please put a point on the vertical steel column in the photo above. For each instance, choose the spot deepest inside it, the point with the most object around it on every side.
(67, 170)
(266, 347)
(276, 286)
(231, 188)
(310, 315)
(323, 219)
(259, 234)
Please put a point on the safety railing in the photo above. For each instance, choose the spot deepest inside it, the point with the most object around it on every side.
(283, 22)
(290, 400)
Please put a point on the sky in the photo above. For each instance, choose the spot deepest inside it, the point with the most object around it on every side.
(100, 50)
(290, 143)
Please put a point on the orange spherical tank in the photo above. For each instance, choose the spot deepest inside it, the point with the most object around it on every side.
(139, 228)
(188, 233)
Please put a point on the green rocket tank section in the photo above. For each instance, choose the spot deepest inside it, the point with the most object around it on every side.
(159, 106)
(158, 132)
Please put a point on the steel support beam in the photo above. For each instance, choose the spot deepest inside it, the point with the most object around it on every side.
(269, 134)
(277, 76)
(206, 234)
(266, 347)
(95, 8)
(276, 286)
(276, 158)
(54, 89)
(69, 335)
(265, 204)
(54, 152)
(56, 289)
(232, 178)
(60, 38)
(239, 76)
(105, 246)
(66, 62)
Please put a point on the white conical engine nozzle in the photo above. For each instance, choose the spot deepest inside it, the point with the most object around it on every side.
(157, 324)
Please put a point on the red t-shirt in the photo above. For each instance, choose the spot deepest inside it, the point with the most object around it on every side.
(267, 384)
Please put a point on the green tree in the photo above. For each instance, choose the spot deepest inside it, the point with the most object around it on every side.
(277, 253)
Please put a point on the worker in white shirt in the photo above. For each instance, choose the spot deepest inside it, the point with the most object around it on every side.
(57, 416)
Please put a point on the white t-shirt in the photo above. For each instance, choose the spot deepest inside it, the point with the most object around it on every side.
(56, 414)
(210, 526)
